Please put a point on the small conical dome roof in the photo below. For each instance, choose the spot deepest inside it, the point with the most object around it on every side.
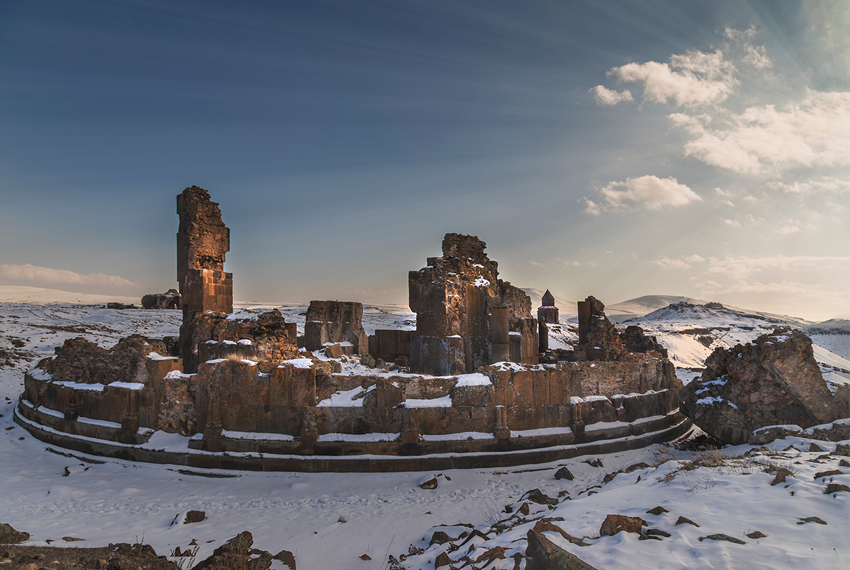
(548, 299)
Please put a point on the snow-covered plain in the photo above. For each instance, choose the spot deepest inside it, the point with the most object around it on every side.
(329, 520)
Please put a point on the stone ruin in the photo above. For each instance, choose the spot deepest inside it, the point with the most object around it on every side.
(168, 300)
(466, 317)
(466, 388)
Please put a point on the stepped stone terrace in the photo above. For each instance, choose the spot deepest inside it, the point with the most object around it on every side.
(472, 386)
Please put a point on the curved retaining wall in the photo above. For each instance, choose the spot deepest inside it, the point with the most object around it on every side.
(297, 416)
(608, 439)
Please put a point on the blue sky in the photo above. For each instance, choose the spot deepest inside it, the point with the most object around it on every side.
(609, 148)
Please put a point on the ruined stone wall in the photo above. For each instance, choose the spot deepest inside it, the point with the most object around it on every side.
(637, 376)
(267, 338)
(335, 322)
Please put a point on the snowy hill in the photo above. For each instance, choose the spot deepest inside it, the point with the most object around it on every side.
(691, 332)
(641, 306)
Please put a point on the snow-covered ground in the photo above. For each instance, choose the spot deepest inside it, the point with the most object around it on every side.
(329, 520)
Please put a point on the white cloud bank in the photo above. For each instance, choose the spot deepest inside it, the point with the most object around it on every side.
(765, 140)
(608, 97)
(648, 192)
(34, 273)
(691, 79)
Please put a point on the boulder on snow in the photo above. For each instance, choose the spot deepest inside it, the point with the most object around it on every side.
(616, 523)
(773, 380)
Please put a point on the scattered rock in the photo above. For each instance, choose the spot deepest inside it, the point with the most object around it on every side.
(781, 474)
(648, 537)
(365, 557)
(725, 537)
(524, 509)
(72, 539)
(790, 447)
(835, 488)
(756, 534)
(287, 558)
(237, 554)
(429, 483)
(829, 473)
(443, 560)
(495, 553)
(636, 466)
(333, 350)
(9, 535)
(439, 537)
(657, 511)
(685, 520)
(616, 523)
(657, 532)
(610, 477)
(594, 462)
(545, 525)
(543, 554)
(194, 517)
(842, 449)
(564, 473)
(815, 448)
(811, 519)
(536, 496)
(843, 463)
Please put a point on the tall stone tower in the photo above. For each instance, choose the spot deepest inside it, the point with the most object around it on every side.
(202, 242)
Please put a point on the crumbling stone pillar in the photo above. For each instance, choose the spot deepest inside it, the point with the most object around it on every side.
(543, 337)
(583, 321)
(202, 242)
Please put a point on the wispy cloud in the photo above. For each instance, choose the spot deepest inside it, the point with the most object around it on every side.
(607, 97)
(765, 140)
(790, 227)
(677, 263)
(691, 79)
(34, 273)
(650, 192)
(823, 184)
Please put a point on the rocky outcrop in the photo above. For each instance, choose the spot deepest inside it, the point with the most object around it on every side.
(9, 535)
(773, 380)
(168, 300)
